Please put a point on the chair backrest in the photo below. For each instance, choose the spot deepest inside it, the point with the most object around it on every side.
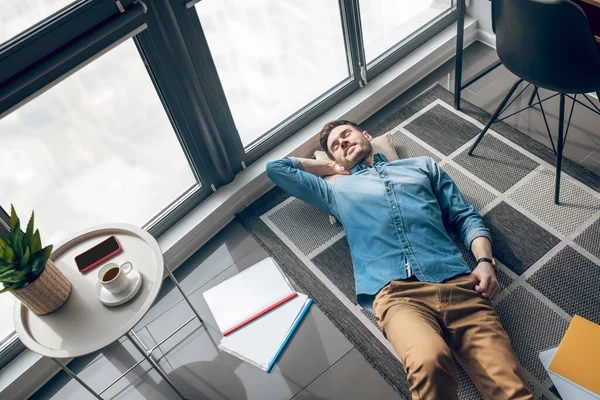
(547, 43)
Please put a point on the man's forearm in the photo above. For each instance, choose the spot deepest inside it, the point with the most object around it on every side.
(320, 167)
(488, 285)
(289, 174)
(481, 247)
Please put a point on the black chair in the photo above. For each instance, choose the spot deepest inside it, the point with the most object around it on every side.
(547, 43)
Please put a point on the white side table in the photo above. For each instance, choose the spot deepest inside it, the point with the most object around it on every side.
(83, 324)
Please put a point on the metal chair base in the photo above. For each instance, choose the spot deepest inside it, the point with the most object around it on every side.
(562, 131)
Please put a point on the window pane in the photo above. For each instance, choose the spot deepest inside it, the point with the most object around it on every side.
(385, 23)
(273, 56)
(96, 148)
(17, 16)
(6, 299)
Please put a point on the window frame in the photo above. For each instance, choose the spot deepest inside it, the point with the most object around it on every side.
(300, 118)
(56, 47)
(359, 76)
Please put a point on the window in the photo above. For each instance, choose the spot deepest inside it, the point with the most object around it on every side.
(96, 148)
(17, 16)
(273, 57)
(386, 23)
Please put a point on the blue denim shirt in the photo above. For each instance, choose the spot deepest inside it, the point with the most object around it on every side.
(394, 214)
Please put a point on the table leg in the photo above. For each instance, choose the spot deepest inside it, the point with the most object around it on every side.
(460, 27)
(183, 294)
(78, 379)
(186, 298)
(154, 364)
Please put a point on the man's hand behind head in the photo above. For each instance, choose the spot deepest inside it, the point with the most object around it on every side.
(322, 167)
(339, 169)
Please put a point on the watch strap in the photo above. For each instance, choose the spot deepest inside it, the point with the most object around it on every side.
(486, 259)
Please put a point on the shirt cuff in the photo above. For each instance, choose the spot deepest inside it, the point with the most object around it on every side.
(474, 234)
(296, 163)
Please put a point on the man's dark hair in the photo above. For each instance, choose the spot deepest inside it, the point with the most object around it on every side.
(324, 135)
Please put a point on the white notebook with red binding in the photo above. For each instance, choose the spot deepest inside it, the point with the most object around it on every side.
(263, 340)
(248, 295)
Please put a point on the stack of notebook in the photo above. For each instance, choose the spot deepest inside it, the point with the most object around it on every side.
(257, 311)
(574, 366)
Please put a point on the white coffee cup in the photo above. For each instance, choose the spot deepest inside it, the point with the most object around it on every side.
(113, 276)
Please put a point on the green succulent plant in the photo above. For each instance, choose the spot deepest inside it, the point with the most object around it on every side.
(22, 258)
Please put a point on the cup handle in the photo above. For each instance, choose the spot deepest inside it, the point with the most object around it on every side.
(126, 270)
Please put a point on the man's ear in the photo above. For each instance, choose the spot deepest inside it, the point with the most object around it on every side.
(367, 135)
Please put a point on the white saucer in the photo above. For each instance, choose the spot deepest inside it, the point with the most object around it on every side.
(115, 299)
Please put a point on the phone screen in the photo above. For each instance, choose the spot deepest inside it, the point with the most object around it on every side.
(97, 253)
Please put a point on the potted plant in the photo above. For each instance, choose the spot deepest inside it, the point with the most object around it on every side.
(27, 271)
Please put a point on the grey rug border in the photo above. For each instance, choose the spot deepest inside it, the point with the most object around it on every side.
(384, 120)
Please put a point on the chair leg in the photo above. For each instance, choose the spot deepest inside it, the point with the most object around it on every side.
(495, 115)
(559, 148)
(533, 94)
(461, 7)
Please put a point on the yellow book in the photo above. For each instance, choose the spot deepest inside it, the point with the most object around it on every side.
(578, 356)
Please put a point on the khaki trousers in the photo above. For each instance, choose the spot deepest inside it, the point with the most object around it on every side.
(427, 323)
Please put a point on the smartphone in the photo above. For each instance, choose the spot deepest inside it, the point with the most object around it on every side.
(98, 254)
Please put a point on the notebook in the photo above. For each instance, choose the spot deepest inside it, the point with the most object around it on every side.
(262, 341)
(578, 356)
(566, 388)
(247, 295)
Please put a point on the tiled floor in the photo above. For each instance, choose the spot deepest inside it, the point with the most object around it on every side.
(319, 363)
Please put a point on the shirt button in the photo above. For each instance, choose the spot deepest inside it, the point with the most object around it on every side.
(383, 176)
(399, 229)
(389, 188)
(408, 250)
(393, 207)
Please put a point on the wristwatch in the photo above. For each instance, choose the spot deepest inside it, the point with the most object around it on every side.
(490, 260)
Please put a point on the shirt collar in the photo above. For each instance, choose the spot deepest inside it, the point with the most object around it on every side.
(377, 158)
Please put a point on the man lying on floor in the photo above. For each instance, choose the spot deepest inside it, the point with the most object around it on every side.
(407, 269)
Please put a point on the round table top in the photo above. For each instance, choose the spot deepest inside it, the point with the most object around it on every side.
(83, 324)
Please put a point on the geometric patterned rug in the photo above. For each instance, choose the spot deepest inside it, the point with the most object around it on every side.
(549, 255)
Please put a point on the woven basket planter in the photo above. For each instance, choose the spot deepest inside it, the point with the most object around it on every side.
(47, 293)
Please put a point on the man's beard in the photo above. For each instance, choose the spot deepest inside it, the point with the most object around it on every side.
(359, 156)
